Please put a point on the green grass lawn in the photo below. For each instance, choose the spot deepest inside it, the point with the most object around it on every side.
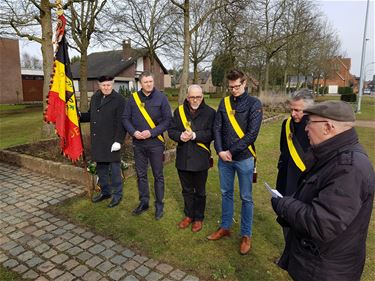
(367, 106)
(7, 275)
(192, 252)
(19, 125)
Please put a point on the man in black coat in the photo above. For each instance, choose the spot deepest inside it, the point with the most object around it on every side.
(192, 129)
(294, 144)
(147, 115)
(107, 135)
(330, 213)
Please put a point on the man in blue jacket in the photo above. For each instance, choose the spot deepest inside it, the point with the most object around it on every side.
(236, 128)
(146, 116)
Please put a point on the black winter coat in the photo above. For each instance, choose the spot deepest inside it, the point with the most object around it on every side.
(157, 106)
(105, 125)
(248, 113)
(289, 173)
(190, 156)
(330, 214)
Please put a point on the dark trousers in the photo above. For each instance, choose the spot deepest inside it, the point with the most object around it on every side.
(142, 155)
(194, 193)
(107, 171)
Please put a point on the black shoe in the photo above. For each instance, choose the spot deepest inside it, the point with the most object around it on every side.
(140, 209)
(114, 202)
(100, 197)
(159, 215)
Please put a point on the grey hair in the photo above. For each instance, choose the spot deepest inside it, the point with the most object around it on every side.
(146, 73)
(194, 86)
(303, 94)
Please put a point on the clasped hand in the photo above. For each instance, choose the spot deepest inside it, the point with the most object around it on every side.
(186, 136)
(142, 135)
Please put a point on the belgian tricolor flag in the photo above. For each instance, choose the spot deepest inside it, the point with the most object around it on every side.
(62, 107)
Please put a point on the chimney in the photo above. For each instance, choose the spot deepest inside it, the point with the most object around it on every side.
(126, 49)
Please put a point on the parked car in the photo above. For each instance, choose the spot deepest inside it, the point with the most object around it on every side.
(367, 91)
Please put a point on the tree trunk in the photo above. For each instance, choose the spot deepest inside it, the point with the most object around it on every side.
(266, 75)
(185, 65)
(196, 74)
(48, 57)
(83, 97)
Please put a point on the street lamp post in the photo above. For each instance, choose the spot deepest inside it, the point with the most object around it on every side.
(362, 61)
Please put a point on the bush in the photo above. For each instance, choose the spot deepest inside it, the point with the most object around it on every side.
(349, 97)
(345, 91)
(171, 92)
(323, 91)
(274, 101)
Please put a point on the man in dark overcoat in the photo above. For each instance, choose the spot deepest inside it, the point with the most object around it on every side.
(330, 213)
(192, 129)
(294, 144)
(107, 135)
(146, 117)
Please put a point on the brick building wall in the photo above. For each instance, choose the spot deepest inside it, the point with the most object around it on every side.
(10, 72)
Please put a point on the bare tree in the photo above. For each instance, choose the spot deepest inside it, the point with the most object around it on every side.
(146, 22)
(30, 61)
(82, 17)
(189, 27)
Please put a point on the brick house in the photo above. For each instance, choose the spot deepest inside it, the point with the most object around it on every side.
(124, 65)
(339, 74)
(32, 84)
(204, 80)
(10, 72)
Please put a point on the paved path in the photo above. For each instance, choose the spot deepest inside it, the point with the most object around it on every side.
(40, 246)
(365, 123)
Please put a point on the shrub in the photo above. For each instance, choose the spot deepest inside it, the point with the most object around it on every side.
(274, 101)
(323, 91)
(349, 97)
(345, 90)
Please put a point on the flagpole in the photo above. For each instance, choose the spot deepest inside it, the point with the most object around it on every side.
(60, 11)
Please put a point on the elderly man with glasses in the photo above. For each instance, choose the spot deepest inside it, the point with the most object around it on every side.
(237, 125)
(192, 129)
(330, 213)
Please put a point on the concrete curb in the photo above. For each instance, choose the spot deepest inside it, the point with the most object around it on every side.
(62, 171)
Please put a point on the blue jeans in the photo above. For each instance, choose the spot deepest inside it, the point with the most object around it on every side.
(227, 172)
(105, 170)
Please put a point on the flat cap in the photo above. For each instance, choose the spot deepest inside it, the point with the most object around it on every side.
(334, 110)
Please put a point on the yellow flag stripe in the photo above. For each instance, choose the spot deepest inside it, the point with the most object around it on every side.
(145, 114)
(62, 84)
(187, 126)
(234, 123)
(292, 150)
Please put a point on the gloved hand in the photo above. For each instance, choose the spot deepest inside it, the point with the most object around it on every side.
(115, 146)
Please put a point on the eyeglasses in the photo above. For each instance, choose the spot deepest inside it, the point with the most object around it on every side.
(195, 97)
(316, 121)
(235, 87)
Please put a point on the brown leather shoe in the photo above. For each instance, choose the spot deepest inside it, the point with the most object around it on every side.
(218, 234)
(185, 222)
(245, 245)
(197, 226)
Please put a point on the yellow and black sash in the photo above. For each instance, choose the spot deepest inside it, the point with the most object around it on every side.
(235, 124)
(145, 114)
(295, 149)
(187, 125)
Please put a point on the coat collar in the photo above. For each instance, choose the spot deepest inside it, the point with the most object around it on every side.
(107, 99)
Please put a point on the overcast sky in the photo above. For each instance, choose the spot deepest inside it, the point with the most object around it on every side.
(347, 18)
